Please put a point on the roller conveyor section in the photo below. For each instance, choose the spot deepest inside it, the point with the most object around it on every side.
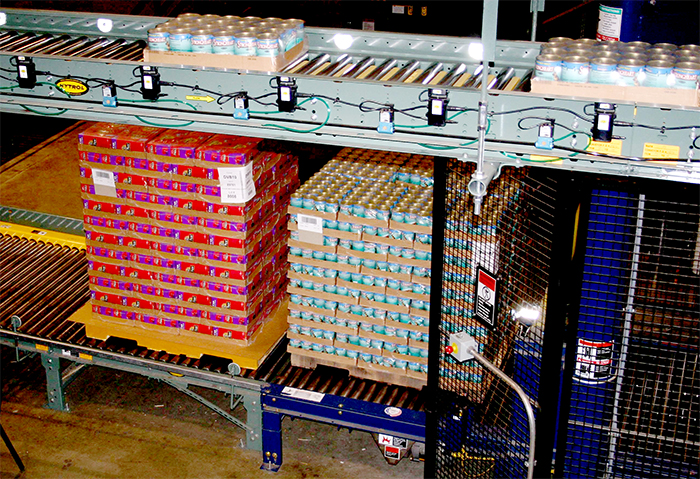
(458, 75)
(103, 48)
(44, 284)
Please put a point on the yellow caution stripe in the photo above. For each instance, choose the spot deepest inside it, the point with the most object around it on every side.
(45, 236)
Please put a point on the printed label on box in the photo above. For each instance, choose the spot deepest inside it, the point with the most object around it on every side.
(313, 224)
(104, 182)
(237, 195)
(236, 177)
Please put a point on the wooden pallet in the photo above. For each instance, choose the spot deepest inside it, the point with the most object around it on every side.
(188, 343)
(374, 374)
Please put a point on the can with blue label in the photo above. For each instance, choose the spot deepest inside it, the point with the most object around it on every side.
(158, 39)
(658, 74)
(298, 28)
(547, 67)
(603, 71)
(575, 69)
(246, 43)
(629, 72)
(686, 75)
(180, 40)
(224, 43)
(268, 44)
(202, 41)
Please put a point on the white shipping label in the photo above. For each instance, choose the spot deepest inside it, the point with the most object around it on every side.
(386, 440)
(303, 394)
(103, 178)
(310, 223)
(236, 177)
(23, 71)
(237, 195)
(398, 9)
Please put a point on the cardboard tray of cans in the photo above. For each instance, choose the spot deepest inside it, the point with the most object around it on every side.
(628, 94)
(229, 62)
(169, 252)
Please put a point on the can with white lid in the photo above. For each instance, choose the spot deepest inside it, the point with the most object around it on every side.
(202, 41)
(575, 69)
(246, 43)
(159, 39)
(603, 71)
(548, 67)
(686, 75)
(658, 74)
(630, 71)
(180, 40)
(268, 44)
(224, 42)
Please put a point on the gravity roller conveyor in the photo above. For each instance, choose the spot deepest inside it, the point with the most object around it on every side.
(344, 84)
(45, 281)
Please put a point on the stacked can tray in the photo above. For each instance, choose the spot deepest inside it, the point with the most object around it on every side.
(185, 231)
(360, 271)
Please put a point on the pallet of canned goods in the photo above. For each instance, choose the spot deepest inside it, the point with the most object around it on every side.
(254, 43)
(661, 73)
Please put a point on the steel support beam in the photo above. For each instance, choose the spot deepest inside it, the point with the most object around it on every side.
(55, 399)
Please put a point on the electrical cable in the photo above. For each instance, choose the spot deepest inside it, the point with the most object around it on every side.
(694, 143)
(294, 130)
(556, 108)
(60, 112)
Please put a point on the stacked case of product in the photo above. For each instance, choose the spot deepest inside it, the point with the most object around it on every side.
(468, 245)
(360, 266)
(186, 232)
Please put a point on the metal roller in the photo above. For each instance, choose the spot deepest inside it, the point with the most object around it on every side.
(108, 50)
(52, 49)
(502, 79)
(360, 67)
(87, 47)
(18, 42)
(524, 83)
(37, 42)
(382, 69)
(97, 50)
(475, 79)
(405, 72)
(78, 47)
(296, 62)
(133, 50)
(430, 73)
(45, 45)
(452, 77)
(340, 63)
(4, 36)
(319, 60)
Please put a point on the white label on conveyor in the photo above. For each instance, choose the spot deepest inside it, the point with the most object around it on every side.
(310, 223)
(302, 394)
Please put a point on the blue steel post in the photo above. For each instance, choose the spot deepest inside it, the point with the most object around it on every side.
(601, 309)
(272, 441)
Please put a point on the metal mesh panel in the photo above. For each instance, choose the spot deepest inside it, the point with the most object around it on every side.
(636, 389)
(482, 429)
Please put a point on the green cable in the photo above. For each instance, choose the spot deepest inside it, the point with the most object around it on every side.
(60, 112)
(293, 130)
(152, 123)
(9, 87)
(437, 147)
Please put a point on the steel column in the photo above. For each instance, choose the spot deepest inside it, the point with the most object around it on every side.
(54, 383)
(272, 441)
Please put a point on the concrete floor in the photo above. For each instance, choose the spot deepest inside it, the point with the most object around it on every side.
(125, 425)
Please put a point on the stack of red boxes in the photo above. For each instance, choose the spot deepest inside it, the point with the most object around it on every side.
(186, 232)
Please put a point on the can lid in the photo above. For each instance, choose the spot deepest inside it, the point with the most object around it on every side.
(691, 47)
(576, 59)
(687, 66)
(201, 31)
(632, 62)
(660, 63)
(639, 44)
(560, 40)
(666, 46)
(604, 61)
(549, 58)
(585, 41)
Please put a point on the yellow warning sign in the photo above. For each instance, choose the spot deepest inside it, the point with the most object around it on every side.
(41, 347)
(655, 150)
(552, 160)
(612, 148)
(86, 357)
(207, 98)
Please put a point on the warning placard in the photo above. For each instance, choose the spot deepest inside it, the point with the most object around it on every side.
(594, 361)
(486, 297)
(392, 452)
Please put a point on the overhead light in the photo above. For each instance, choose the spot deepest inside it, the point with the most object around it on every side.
(343, 40)
(476, 51)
